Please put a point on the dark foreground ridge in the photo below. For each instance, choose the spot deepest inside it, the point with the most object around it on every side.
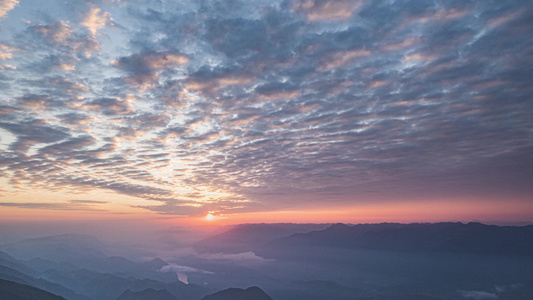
(10, 290)
(251, 293)
(150, 294)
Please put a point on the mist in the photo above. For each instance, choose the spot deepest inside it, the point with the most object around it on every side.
(445, 261)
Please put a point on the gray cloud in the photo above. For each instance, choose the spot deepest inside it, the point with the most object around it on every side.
(110, 106)
(64, 149)
(35, 131)
(144, 67)
(83, 205)
(60, 36)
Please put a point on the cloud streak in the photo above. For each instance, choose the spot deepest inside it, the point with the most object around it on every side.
(182, 269)
(77, 205)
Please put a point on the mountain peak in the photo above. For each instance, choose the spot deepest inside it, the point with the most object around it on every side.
(339, 226)
(155, 264)
(251, 293)
(146, 294)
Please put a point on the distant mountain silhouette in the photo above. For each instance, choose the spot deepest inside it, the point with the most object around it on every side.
(319, 289)
(247, 237)
(23, 274)
(58, 248)
(85, 278)
(472, 238)
(41, 265)
(121, 265)
(68, 252)
(105, 286)
(251, 293)
(148, 294)
(155, 264)
(442, 261)
(7, 260)
(10, 290)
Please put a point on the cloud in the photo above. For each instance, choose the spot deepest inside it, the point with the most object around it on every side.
(58, 33)
(143, 68)
(339, 59)
(66, 67)
(243, 257)
(76, 118)
(110, 106)
(253, 105)
(34, 102)
(35, 131)
(89, 201)
(182, 269)
(63, 148)
(5, 52)
(87, 45)
(81, 205)
(6, 6)
(478, 295)
(326, 10)
(96, 19)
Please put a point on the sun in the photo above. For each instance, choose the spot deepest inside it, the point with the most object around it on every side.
(210, 217)
(213, 216)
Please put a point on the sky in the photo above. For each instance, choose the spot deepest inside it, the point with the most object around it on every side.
(266, 111)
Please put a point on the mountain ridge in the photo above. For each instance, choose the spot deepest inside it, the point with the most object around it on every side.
(11, 290)
(147, 294)
(251, 293)
(239, 238)
(473, 237)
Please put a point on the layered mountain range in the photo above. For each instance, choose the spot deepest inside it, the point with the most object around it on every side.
(441, 261)
(72, 267)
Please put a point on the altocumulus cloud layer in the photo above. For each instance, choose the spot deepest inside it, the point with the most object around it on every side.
(250, 105)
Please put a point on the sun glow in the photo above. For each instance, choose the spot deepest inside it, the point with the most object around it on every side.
(213, 216)
(210, 216)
